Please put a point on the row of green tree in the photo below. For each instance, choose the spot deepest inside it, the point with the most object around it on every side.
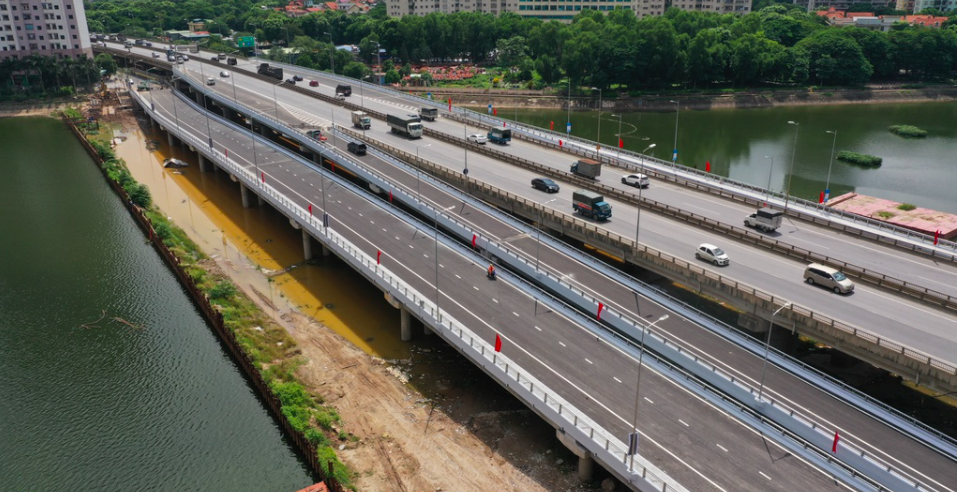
(780, 44)
(45, 76)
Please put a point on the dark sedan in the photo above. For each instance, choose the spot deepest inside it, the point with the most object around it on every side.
(545, 184)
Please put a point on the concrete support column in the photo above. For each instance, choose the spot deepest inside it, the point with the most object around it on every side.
(245, 193)
(306, 245)
(260, 201)
(152, 123)
(171, 138)
(405, 324)
(427, 331)
(202, 163)
(586, 465)
(326, 252)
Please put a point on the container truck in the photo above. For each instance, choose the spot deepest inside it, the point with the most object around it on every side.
(274, 72)
(591, 204)
(429, 113)
(405, 125)
(764, 219)
(587, 168)
(361, 119)
(500, 135)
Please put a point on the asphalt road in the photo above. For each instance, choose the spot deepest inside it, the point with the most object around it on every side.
(697, 444)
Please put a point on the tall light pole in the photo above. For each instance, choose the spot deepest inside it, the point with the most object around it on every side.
(640, 188)
(767, 348)
(641, 354)
(568, 123)
(598, 147)
(332, 59)
(787, 192)
(767, 195)
(674, 155)
(539, 247)
(209, 133)
(620, 141)
(827, 184)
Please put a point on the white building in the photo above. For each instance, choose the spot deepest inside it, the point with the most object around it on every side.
(46, 27)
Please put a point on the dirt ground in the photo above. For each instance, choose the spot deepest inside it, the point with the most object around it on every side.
(450, 429)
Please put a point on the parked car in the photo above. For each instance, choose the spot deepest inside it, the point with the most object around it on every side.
(832, 278)
(297, 78)
(636, 180)
(712, 254)
(478, 138)
(224, 74)
(313, 83)
(545, 184)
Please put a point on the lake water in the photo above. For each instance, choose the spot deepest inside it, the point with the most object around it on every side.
(88, 402)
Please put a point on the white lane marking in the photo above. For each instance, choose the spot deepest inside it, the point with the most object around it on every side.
(457, 276)
(684, 423)
(588, 361)
(765, 476)
(616, 379)
(562, 344)
(516, 314)
(722, 448)
(647, 400)
(537, 328)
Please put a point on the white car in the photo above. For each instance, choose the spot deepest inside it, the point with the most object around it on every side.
(636, 180)
(224, 74)
(712, 253)
(478, 138)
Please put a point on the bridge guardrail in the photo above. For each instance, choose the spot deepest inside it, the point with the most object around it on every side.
(628, 245)
(594, 437)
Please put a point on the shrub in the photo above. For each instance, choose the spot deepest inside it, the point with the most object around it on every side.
(908, 131)
(906, 207)
(885, 214)
(223, 290)
(140, 195)
(856, 158)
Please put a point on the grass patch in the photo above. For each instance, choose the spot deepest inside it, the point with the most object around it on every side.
(907, 207)
(885, 215)
(908, 131)
(856, 158)
(271, 348)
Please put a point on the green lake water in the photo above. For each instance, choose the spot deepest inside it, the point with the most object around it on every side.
(108, 407)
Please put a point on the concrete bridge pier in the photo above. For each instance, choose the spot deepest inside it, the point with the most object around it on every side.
(170, 138)
(326, 252)
(405, 324)
(306, 245)
(245, 193)
(586, 462)
(202, 163)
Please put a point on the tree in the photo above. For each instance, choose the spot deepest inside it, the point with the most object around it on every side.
(356, 70)
(511, 51)
(106, 62)
(836, 59)
(392, 77)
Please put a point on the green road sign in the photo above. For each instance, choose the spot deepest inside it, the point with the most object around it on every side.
(246, 42)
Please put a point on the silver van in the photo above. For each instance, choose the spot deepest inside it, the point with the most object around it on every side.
(826, 276)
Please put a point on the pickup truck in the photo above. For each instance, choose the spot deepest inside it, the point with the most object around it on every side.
(500, 135)
(764, 219)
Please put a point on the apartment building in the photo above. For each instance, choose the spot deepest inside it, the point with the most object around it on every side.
(560, 10)
(45, 27)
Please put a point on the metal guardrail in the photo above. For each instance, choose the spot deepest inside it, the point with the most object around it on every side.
(535, 204)
(628, 244)
(538, 395)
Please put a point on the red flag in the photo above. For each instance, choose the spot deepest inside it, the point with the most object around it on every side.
(559, 143)
(600, 307)
(227, 153)
(551, 126)
(936, 236)
(474, 237)
(621, 143)
(310, 209)
(834, 446)
(333, 164)
(498, 343)
(503, 124)
(263, 176)
(450, 104)
(390, 196)
(821, 198)
(378, 257)
(707, 166)
(494, 111)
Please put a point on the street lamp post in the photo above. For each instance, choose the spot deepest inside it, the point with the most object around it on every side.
(767, 348)
(598, 146)
(674, 155)
(640, 188)
(539, 247)
(787, 193)
(767, 195)
(568, 122)
(827, 184)
(620, 141)
(638, 383)
(209, 133)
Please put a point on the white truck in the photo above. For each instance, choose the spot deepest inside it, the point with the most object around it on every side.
(361, 119)
(764, 219)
